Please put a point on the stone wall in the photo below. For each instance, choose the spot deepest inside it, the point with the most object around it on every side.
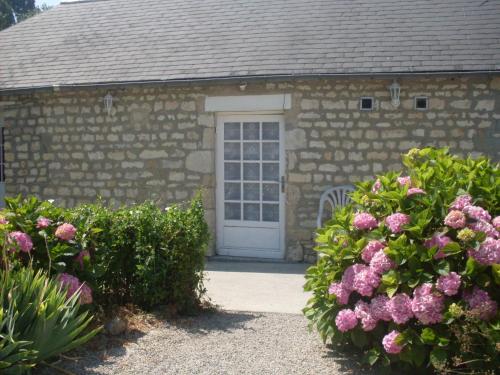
(159, 143)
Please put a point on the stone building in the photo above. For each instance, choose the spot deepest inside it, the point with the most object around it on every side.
(262, 104)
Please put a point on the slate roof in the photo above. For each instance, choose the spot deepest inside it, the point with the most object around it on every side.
(107, 41)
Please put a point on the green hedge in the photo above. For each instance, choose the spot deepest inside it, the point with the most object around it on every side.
(137, 254)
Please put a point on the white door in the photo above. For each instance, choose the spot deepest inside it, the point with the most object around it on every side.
(250, 187)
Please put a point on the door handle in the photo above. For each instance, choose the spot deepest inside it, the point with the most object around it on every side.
(282, 184)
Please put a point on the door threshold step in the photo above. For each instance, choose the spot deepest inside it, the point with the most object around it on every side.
(225, 258)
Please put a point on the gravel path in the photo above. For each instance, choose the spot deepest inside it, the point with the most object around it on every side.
(221, 343)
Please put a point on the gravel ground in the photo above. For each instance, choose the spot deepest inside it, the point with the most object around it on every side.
(220, 343)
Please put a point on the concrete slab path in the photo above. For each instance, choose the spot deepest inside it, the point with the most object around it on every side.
(257, 286)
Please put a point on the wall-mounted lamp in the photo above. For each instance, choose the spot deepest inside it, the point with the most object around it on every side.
(243, 86)
(395, 90)
(108, 103)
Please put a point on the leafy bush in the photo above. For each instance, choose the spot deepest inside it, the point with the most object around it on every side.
(37, 320)
(410, 270)
(137, 254)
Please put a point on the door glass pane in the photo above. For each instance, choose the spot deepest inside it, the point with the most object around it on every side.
(251, 171)
(270, 212)
(250, 130)
(232, 211)
(231, 131)
(232, 171)
(232, 151)
(232, 191)
(251, 151)
(270, 172)
(270, 151)
(270, 192)
(251, 192)
(270, 131)
(251, 211)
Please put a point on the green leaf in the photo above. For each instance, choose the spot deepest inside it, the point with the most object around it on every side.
(495, 271)
(391, 291)
(428, 336)
(438, 357)
(471, 266)
(359, 338)
(372, 356)
(452, 248)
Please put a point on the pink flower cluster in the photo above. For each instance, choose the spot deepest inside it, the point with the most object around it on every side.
(404, 181)
(461, 202)
(376, 186)
(449, 284)
(485, 227)
(3, 220)
(399, 306)
(359, 278)
(413, 191)
(346, 320)
(477, 213)
(481, 304)
(455, 219)
(80, 257)
(43, 223)
(370, 249)
(496, 223)
(488, 252)
(363, 220)
(381, 263)
(396, 221)
(363, 312)
(65, 232)
(440, 241)
(390, 344)
(427, 305)
(340, 292)
(22, 240)
(73, 285)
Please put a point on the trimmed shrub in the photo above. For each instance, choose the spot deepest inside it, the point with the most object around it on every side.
(138, 254)
(410, 271)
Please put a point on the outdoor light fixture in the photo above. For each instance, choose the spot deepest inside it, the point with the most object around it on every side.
(108, 103)
(243, 86)
(395, 89)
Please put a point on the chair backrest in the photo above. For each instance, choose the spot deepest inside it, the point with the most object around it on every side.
(335, 196)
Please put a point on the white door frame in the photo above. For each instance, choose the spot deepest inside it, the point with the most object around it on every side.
(219, 171)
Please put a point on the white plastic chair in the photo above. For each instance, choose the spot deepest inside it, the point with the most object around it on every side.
(335, 196)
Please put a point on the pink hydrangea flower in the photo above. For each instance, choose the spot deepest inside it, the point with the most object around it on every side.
(73, 285)
(370, 249)
(488, 252)
(43, 222)
(363, 220)
(460, 202)
(346, 320)
(477, 213)
(3, 220)
(455, 219)
(413, 191)
(365, 280)
(65, 232)
(390, 343)
(427, 305)
(481, 304)
(363, 313)
(449, 284)
(81, 255)
(349, 274)
(396, 221)
(496, 223)
(404, 181)
(378, 306)
(440, 241)
(339, 291)
(484, 226)
(22, 240)
(376, 186)
(399, 307)
(381, 263)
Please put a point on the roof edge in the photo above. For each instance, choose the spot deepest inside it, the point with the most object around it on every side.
(281, 77)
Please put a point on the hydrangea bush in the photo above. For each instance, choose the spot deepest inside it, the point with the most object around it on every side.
(410, 271)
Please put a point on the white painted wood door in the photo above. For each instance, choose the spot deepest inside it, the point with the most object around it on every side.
(250, 191)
